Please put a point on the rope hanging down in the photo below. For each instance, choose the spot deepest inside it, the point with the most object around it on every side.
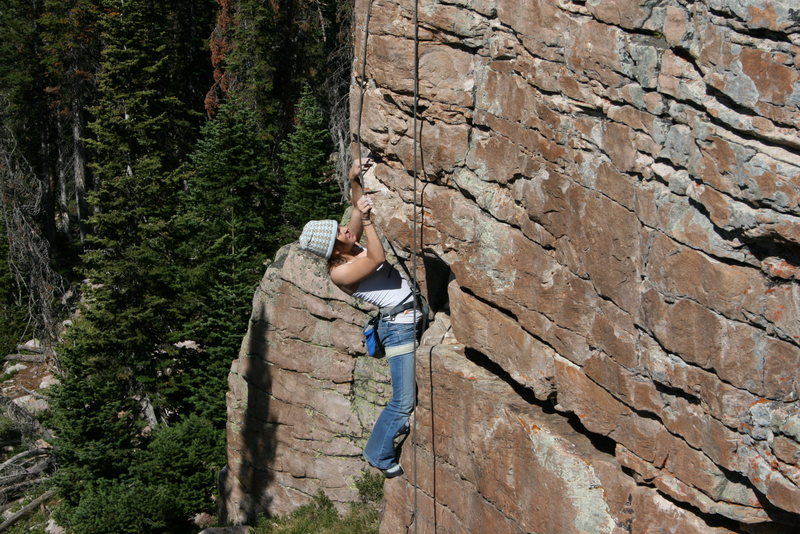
(416, 210)
(414, 244)
(363, 86)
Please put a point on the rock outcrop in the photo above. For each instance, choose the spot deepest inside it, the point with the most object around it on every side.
(609, 225)
(300, 403)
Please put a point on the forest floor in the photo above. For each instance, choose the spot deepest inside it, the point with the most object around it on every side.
(25, 463)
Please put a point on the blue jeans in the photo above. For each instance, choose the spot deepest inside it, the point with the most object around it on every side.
(380, 450)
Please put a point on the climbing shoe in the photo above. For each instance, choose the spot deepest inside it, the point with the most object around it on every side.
(401, 436)
(394, 471)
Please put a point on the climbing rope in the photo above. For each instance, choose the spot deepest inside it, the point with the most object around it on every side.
(414, 246)
(363, 86)
(416, 210)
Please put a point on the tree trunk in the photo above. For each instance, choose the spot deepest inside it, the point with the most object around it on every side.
(62, 205)
(79, 167)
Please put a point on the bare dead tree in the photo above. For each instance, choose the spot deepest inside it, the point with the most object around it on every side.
(39, 287)
(78, 165)
(23, 420)
(71, 172)
(336, 90)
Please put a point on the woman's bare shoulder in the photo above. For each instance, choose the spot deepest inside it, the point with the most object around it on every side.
(337, 265)
(335, 262)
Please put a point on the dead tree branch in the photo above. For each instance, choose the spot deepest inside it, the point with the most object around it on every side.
(39, 288)
(31, 473)
(27, 509)
(31, 348)
(16, 459)
(31, 358)
(32, 393)
(23, 419)
(16, 489)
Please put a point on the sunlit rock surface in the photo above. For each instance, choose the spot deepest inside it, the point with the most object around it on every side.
(608, 202)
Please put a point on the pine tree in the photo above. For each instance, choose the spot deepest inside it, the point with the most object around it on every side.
(169, 482)
(229, 223)
(119, 357)
(276, 47)
(20, 83)
(130, 255)
(266, 51)
(309, 190)
(179, 233)
(70, 52)
(251, 64)
(23, 101)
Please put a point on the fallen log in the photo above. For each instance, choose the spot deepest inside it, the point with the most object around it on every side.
(34, 358)
(22, 456)
(32, 393)
(19, 487)
(28, 508)
(24, 473)
(30, 348)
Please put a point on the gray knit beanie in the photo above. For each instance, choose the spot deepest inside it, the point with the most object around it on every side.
(319, 237)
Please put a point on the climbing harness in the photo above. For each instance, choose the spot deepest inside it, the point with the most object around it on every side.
(418, 304)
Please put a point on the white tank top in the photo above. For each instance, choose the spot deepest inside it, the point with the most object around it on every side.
(385, 287)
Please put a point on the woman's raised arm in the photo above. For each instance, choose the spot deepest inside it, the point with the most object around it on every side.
(356, 192)
(349, 274)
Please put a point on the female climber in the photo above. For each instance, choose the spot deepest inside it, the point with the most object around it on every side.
(363, 272)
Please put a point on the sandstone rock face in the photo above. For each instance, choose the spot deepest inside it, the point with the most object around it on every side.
(491, 458)
(609, 198)
(614, 188)
(300, 404)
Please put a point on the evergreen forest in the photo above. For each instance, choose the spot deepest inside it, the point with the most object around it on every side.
(153, 156)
